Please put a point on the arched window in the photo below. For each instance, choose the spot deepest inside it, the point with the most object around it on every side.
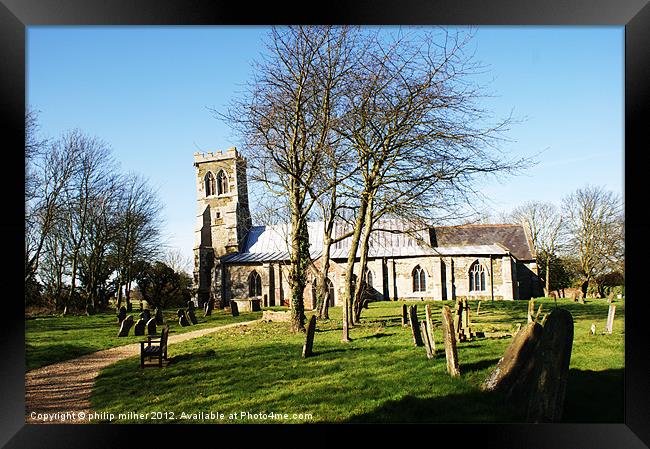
(368, 278)
(419, 279)
(476, 277)
(254, 284)
(222, 183)
(209, 184)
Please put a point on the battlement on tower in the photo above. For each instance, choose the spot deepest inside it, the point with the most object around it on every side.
(218, 155)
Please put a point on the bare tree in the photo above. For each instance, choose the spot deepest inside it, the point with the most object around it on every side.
(178, 261)
(285, 119)
(594, 219)
(544, 223)
(137, 231)
(419, 136)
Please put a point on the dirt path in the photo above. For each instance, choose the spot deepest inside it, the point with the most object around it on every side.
(61, 391)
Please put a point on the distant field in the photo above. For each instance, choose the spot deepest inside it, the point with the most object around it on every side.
(378, 377)
(51, 339)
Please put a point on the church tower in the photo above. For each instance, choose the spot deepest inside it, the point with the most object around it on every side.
(222, 217)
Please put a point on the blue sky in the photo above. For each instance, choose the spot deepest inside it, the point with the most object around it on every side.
(146, 90)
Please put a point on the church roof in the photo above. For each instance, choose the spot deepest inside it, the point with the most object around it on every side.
(394, 238)
(511, 236)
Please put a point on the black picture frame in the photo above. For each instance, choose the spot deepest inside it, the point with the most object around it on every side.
(16, 15)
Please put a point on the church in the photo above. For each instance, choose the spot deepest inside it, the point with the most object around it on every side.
(235, 260)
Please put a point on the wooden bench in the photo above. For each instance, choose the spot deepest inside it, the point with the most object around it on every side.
(158, 351)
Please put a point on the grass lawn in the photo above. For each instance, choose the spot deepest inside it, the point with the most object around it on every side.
(378, 377)
(53, 339)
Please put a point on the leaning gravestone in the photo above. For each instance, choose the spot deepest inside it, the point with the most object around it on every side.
(429, 329)
(233, 308)
(514, 373)
(451, 352)
(125, 326)
(138, 329)
(207, 309)
(90, 310)
(415, 326)
(551, 368)
(426, 340)
(121, 314)
(404, 316)
(309, 339)
(182, 319)
(191, 315)
(151, 327)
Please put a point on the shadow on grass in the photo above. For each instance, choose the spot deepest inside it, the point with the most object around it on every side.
(595, 396)
(480, 365)
(473, 406)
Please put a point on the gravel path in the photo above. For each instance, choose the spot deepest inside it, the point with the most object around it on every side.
(58, 393)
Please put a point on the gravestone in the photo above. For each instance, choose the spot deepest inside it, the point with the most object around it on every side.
(429, 328)
(415, 327)
(191, 316)
(531, 310)
(233, 308)
(539, 311)
(146, 315)
(553, 356)
(158, 315)
(138, 329)
(121, 314)
(207, 309)
(151, 327)
(125, 326)
(462, 320)
(449, 336)
(593, 329)
(478, 308)
(190, 305)
(514, 373)
(309, 339)
(404, 316)
(182, 319)
(90, 310)
(610, 318)
(426, 340)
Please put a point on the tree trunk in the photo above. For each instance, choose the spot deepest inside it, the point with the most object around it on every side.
(299, 258)
(367, 228)
(348, 294)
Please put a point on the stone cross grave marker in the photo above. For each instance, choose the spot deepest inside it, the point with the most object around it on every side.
(404, 316)
(151, 327)
(125, 326)
(415, 327)
(451, 353)
(552, 368)
(182, 319)
(610, 318)
(138, 329)
(309, 338)
(429, 321)
(514, 373)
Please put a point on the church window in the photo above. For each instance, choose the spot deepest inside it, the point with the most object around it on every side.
(419, 279)
(254, 284)
(476, 278)
(222, 183)
(369, 278)
(209, 184)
